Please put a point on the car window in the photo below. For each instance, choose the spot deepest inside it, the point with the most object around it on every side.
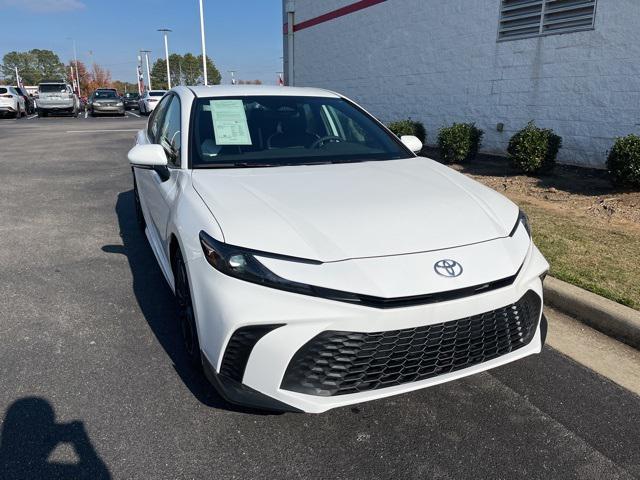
(287, 130)
(105, 94)
(3, 90)
(170, 131)
(153, 129)
(53, 88)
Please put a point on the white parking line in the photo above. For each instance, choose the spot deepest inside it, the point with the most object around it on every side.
(134, 114)
(100, 131)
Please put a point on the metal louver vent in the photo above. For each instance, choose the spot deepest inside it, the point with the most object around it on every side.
(530, 18)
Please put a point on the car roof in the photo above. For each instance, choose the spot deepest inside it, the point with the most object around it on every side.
(264, 90)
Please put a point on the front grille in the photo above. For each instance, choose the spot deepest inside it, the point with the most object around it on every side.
(339, 363)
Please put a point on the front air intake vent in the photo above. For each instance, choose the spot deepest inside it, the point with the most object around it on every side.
(340, 363)
(239, 348)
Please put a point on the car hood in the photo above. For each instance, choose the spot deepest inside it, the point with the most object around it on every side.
(357, 210)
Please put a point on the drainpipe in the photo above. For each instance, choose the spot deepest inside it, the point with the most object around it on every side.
(290, 8)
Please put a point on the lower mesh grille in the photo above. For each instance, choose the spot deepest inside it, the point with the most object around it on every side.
(339, 363)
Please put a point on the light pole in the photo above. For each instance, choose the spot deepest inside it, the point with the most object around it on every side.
(233, 76)
(204, 50)
(165, 32)
(290, 10)
(146, 56)
(75, 59)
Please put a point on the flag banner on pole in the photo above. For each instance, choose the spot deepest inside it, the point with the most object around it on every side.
(140, 80)
(74, 85)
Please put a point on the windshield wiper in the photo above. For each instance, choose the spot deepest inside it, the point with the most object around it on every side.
(240, 165)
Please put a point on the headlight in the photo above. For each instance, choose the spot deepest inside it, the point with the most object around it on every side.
(119, 104)
(524, 220)
(242, 264)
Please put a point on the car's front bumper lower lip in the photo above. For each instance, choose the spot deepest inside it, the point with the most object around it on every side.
(222, 308)
(108, 109)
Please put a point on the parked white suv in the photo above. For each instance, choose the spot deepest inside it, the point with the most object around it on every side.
(11, 102)
(57, 97)
(317, 261)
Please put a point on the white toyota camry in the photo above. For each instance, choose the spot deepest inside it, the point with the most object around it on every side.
(317, 261)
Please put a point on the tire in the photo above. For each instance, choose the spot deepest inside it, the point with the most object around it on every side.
(186, 316)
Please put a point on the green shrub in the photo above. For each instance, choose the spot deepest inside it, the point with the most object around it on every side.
(534, 149)
(409, 127)
(459, 142)
(624, 161)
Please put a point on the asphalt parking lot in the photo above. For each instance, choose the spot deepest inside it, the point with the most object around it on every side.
(93, 383)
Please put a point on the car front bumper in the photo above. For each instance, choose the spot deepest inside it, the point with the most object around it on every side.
(107, 109)
(224, 304)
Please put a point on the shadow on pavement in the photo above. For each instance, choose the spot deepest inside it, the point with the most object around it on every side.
(30, 435)
(158, 304)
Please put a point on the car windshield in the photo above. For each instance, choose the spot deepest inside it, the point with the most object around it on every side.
(105, 94)
(287, 130)
(156, 94)
(53, 88)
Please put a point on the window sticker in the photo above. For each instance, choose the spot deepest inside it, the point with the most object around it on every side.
(230, 122)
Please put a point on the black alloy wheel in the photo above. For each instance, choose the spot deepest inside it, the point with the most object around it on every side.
(186, 316)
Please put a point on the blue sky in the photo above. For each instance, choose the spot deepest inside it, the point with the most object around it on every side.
(242, 35)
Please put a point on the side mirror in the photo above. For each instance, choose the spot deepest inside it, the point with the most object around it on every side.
(149, 156)
(412, 143)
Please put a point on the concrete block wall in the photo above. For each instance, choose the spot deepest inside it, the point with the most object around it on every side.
(438, 61)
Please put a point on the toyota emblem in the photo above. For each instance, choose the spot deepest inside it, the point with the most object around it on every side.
(448, 268)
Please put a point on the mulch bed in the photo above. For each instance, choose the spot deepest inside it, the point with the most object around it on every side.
(586, 190)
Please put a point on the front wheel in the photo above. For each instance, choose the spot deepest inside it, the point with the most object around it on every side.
(186, 316)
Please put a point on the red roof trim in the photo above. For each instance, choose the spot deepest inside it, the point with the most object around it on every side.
(340, 12)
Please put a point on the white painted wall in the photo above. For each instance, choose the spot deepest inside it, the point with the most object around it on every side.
(438, 61)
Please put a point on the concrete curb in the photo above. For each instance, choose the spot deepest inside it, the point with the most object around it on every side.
(598, 312)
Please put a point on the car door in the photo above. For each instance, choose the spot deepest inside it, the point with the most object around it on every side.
(158, 189)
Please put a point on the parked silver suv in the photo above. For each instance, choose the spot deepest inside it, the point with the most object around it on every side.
(57, 97)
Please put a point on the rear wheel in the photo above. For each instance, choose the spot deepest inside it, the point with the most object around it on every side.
(186, 316)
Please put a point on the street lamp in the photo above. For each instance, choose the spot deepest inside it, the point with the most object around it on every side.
(146, 56)
(75, 59)
(165, 32)
(204, 50)
(233, 76)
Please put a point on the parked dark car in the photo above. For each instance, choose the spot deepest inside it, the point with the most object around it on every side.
(130, 100)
